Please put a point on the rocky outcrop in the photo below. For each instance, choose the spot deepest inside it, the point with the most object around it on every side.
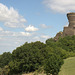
(59, 34)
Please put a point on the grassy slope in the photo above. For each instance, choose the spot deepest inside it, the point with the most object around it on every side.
(68, 68)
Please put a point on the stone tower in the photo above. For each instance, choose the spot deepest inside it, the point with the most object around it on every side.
(70, 30)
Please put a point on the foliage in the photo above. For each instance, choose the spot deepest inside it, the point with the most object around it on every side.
(67, 43)
(51, 42)
(5, 58)
(5, 70)
(27, 58)
(32, 56)
(53, 64)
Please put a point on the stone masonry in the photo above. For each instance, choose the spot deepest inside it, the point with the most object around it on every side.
(70, 30)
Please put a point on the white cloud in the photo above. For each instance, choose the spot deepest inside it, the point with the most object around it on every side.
(36, 38)
(45, 36)
(10, 17)
(1, 29)
(42, 38)
(26, 33)
(31, 28)
(10, 33)
(62, 6)
(44, 26)
(10, 40)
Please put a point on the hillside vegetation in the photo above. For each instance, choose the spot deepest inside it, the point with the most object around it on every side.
(37, 56)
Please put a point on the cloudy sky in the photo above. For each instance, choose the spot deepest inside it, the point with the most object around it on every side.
(31, 20)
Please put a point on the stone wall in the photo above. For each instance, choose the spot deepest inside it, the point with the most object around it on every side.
(68, 31)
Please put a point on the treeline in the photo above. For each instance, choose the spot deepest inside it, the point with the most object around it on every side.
(37, 56)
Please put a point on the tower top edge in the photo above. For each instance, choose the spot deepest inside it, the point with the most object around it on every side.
(71, 13)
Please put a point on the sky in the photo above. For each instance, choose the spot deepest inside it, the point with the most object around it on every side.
(31, 20)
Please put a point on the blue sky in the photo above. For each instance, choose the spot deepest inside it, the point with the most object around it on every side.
(31, 20)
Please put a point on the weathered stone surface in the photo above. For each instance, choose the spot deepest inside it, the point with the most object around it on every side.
(70, 30)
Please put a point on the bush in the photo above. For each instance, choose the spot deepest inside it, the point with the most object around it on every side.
(53, 64)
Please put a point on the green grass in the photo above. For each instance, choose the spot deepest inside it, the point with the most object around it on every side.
(68, 68)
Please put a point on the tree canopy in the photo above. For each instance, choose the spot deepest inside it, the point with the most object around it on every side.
(31, 56)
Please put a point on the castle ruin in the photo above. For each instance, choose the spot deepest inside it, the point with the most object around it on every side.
(70, 29)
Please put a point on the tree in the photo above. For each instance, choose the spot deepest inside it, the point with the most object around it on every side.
(51, 42)
(5, 58)
(67, 43)
(27, 58)
(53, 64)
